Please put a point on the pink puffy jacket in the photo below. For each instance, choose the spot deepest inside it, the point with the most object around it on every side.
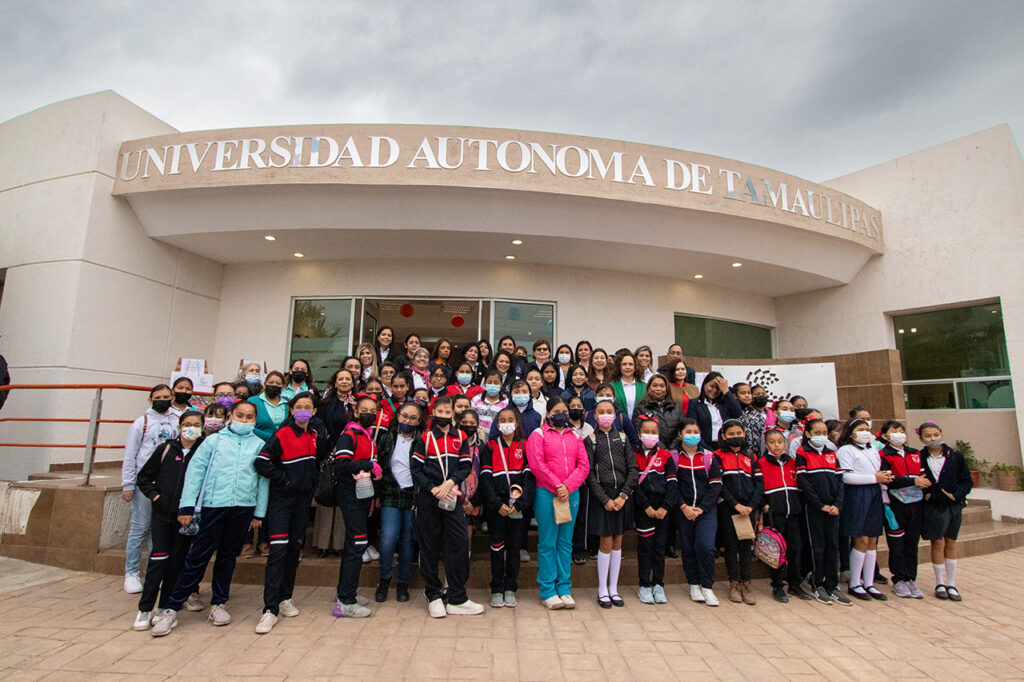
(557, 458)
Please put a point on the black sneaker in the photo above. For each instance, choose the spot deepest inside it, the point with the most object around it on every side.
(671, 552)
(779, 595)
(840, 598)
(381, 595)
(800, 594)
(402, 592)
(822, 595)
(579, 558)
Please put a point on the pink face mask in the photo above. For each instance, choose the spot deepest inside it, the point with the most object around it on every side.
(606, 419)
(649, 440)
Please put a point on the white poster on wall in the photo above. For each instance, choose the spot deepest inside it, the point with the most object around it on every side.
(814, 381)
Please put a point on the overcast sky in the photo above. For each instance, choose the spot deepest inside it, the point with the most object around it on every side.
(815, 88)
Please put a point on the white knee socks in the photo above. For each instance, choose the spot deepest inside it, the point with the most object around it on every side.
(613, 571)
(857, 567)
(940, 574)
(950, 573)
(870, 557)
(603, 564)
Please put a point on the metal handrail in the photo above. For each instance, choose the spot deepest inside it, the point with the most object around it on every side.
(94, 420)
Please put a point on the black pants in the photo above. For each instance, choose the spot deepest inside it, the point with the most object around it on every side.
(221, 530)
(437, 528)
(287, 518)
(790, 530)
(506, 535)
(823, 548)
(903, 547)
(356, 512)
(166, 557)
(697, 548)
(581, 540)
(737, 552)
(651, 537)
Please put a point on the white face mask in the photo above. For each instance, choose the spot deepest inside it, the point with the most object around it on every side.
(863, 437)
(897, 439)
(564, 358)
(507, 428)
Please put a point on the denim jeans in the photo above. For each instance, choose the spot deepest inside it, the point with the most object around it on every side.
(138, 530)
(396, 532)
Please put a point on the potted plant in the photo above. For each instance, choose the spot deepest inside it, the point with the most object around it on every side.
(1007, 476)
(979, 467)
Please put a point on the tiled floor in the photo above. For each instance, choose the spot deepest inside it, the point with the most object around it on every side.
(79, 628)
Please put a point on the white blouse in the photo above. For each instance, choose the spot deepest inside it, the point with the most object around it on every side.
(859, 464)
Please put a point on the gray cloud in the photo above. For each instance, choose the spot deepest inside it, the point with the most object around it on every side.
(815, 89)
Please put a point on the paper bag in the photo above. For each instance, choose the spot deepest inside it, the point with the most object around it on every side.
(562, 512)
(744, 529)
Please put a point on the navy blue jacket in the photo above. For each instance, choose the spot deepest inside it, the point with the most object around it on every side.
(531, 421)
(955, 478)
(698, 409)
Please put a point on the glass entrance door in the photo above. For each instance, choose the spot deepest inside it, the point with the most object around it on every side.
(433, 319)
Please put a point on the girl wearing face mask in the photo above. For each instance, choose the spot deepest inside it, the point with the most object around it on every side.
(655, 496)
(623, 424)
(737, 499)
(290, 462)
(949, 484)
(465, 382)
(521, 400)
(508, 489)
(355, 467)
(492, 401)
(224, 394)
(222, 482)
(469, 494)
(563, 363)
(250, 376)
(299, 380)
(611, 480)
(577, 386)
(821, 489)
(181, 394)
(785, 420)
(906, 495)
(159, 423)
(271, 408)
(160, 480)
(752, 417)
(699, 479)
(214, 417)
(862, 515)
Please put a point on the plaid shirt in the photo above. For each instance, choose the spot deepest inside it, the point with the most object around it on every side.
(391, 495)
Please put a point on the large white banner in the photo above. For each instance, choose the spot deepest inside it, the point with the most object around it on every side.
(815, 381)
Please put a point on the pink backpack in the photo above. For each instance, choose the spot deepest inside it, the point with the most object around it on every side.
(770, 547)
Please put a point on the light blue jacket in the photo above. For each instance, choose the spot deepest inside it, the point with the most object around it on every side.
(233, 480)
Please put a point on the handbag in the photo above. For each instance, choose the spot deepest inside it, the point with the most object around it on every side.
(325, 493)
(770, 546)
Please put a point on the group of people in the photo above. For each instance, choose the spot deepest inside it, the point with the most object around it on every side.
(413, 449)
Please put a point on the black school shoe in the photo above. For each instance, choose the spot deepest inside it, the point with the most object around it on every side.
(860, 593)
(940, 592)
(875, 594)
(604, 602)
(381, 595)
(779, 595)
(617, 600)
(800, 593)
(953, 593)
(402, 592)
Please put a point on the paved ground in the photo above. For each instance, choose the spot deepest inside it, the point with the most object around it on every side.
(78, 627)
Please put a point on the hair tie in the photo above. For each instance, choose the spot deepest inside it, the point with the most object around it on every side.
(647, 418)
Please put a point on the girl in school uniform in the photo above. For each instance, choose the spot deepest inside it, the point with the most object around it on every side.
(699, 479)
(576, 385)
(465, 382)
(623, 424)
(655, 496)
(862, 515)
(492, 401)
(612, 476)
(508, 488)
(396, 504)
(906, 497)
(737, 498)
(950, 483)
(775, 478)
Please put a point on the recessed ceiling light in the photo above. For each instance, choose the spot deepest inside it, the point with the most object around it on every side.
(270, 237)
(299, 255)
(517, 242)
(994, 312)
(737, 265)
(510, 257)
(698, 276)
(913, 330)
(899, 331)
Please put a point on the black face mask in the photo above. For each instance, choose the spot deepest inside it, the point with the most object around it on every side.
(458, 416)
(272, 391)
(161, 406)
(299, 377)
(738, 442)
(442, 422)
(366, 419)
(406, 428)
(468, 430)
(760, 401)
(801, 413)
(182, 397)
(576, 414)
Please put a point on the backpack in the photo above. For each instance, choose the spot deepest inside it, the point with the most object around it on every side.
(325, 492)
(770, 547)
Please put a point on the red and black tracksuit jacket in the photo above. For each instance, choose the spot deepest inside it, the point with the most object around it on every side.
(356, 452)
(503, 465)
(819, 478)
(737, 478)
(777, 486)
(289, 459)
(437, 457)
(905, 466)
(659, 488)
(699, 482)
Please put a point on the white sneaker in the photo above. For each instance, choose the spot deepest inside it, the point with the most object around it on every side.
(567, 601)
(510, 599)
(436, 609)
(374, 554)
(646, 595)
(132, 584)
(553, 603)
(524, 556)
(288, 609)
(709, 596)
(366, 556)
(497, 600)
(266, 624)
(142, 621)
(219, 615)
(166, 621)
(194, 602)
(659, 594)
(352, 611)
(466, 608)
(696, 593)
(361, 600)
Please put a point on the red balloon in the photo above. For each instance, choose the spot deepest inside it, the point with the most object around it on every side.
(407, 310)
(458, 321)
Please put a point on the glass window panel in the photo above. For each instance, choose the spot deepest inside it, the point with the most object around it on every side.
(524, 322)
(952, 343)
(320, 330)
(975, 395)
(709, 338)
(929, 396)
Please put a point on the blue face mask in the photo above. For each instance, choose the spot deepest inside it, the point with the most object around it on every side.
(604, 399)
(464, 379)
(819, 441)
(252, 379)
(785, 416)
(691, 438)
(406, 428)
(242, 428)
(492, 389)
(521, 400)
